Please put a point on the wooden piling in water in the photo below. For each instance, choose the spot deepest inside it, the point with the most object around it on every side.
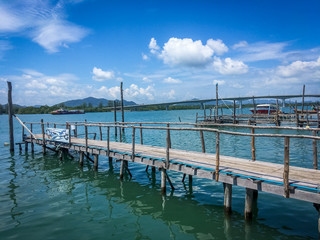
(253, 146)
(163, 180)
(217, 156)
(248, 204)
(227, 197)
(115, 117)
(96, 161)
(286, 168)
(81, 156)
(43, 138)
(202, 142)
(32, 144)
(315, 150)
(10, 114)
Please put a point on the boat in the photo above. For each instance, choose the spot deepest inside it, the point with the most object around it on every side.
(314, 110)
(65, 111)
(264, 109)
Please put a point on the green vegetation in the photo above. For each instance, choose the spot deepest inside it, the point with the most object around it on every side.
(101, 108)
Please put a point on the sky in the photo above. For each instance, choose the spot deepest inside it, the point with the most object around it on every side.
(58, 50)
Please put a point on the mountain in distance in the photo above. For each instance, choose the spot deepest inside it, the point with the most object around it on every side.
(94, 102)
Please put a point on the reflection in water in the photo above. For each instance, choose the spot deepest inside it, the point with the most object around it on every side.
(12, 193)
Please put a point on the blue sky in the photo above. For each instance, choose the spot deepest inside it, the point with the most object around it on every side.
(53, 51)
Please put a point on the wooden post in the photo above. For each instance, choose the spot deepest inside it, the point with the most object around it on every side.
(315, 150)
(69, 128)
(32, 144)
(168, 147)
(217, 156)
(254, 106)
(10, 114)
(86, 136)
(115, 117)
(303, 92)
(168, 135)
(81, 158)
(133, 143)
(43, 138)
(277, 114)
(234, 111)
(227, 197)
(253, 146)
(108, 141)
(96, 160)
(141, 136)
(100, 131)
(217, 101)
(286, 168)
(122, 110)
(122, 168)
(75, 129)
(202, 142)
(163, 181)
(23, 132)
(248, 204)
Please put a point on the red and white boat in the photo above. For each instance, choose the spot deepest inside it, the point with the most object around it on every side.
(264, 109)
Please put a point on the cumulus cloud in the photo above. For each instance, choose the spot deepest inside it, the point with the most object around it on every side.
(300, 67)
(219, 82)
(153, 46)
(229, 66)
(134, 92)
(100, 75)
(146, 79)
(42, 21)
(217, 46)
(171, 80)
(186, 52)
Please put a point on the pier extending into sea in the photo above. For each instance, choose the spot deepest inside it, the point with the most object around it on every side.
(91, 140)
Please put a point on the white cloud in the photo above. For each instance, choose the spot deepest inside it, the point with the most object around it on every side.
(300, 67)
(153, 46)
(140, 94)
(217, 46)
(36, 84)
(229, 66)
(171, 94)
(146, 79)
(171, 80)
(100, 75)
(42, 21)
(219, 82)
(4, 46)
(261, 51)
(145, 57)
(54, 34)
(186, 52)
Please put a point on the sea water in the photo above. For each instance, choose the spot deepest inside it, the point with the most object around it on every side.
(42, 197)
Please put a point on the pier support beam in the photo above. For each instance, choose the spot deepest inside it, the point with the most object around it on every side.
(163, 180)
(227, 197)
(96, 161)
(124, 165)
(10, 114)
(81, 158)
(248, 204)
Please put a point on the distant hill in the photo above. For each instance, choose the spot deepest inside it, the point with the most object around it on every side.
(94, 102)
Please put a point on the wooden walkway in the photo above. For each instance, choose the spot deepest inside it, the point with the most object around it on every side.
(257, 175)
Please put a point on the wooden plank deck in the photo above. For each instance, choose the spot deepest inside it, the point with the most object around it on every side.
(268, 175)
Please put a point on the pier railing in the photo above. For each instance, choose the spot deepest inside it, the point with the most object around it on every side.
(169, 127)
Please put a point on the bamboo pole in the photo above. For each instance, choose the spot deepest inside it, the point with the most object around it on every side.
(168, 148)
(168, 134)
(303, 93)
(10, 114)
(43, 138)
(100, 131)
(115, 117)
(108, 141)
(86, 136)
(253, 147)
(32, 144)
(217, 156)
(234, 111)
(122, 110)
(141, 136)
(202, 142)
(315, 151)
(286, 168)
(133, 143)
(217, 101)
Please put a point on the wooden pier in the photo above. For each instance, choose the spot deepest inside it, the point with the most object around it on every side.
(253, 174)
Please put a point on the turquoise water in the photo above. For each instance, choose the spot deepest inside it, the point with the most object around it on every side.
(42, 197)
